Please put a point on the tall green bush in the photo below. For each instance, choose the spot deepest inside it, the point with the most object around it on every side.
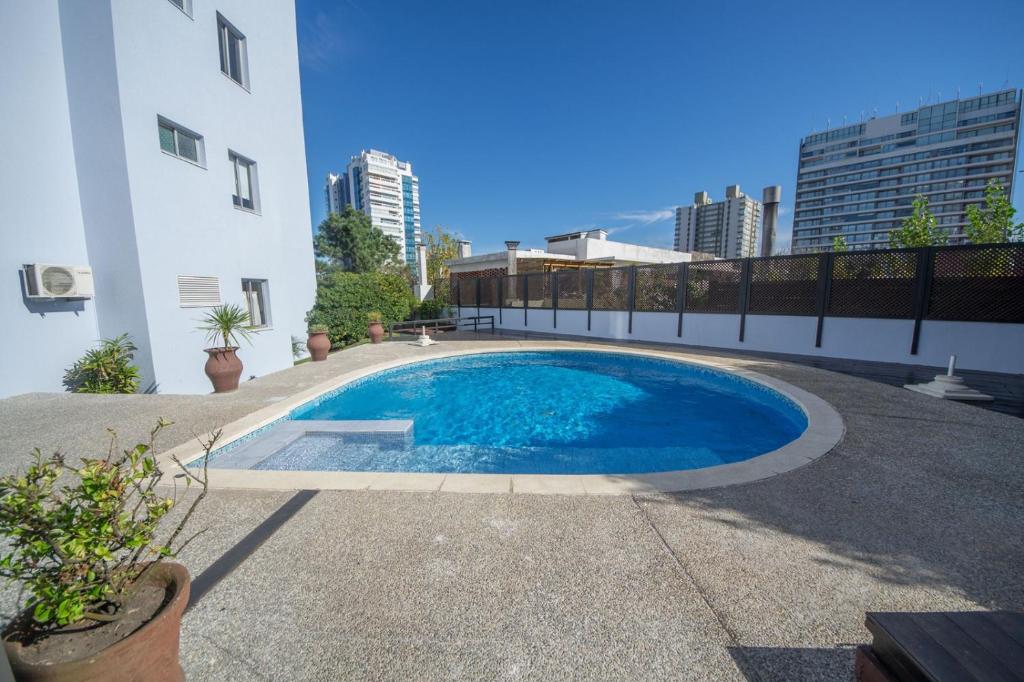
(107, 369)
(344, 299)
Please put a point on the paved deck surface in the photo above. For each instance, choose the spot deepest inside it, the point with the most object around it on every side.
(919, 508)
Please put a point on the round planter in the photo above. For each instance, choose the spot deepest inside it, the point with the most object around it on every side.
(224, 368)
(318, 345)
(376, 332)
(150, 653)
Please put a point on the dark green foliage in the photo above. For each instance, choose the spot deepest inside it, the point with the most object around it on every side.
(227, 323)
(348, 241)
(345, 299)
(107, 369)
(432, 309)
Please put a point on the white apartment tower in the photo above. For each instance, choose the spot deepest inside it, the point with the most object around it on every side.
(384, 188)
(727, 229)
(159, 146)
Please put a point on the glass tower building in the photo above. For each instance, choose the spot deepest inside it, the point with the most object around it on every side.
(859, 181)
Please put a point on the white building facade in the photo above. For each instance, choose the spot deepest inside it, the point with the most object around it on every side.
(726, 229)
(161, 145)
(385, 189)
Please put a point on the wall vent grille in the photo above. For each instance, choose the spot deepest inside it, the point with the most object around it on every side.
(195, 291)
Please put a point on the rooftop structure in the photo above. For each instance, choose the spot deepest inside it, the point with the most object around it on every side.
(575, 250)
(859, 181)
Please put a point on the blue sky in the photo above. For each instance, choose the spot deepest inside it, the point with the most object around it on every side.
(525, 119)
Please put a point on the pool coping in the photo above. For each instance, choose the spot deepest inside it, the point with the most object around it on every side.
(825, 429)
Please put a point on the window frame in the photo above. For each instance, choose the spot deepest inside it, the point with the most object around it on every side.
(261, 289)
(238, 161)
(180, 130)
(185, 7)
(225, 31)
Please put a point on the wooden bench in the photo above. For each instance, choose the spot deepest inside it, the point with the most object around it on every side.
(941, 647)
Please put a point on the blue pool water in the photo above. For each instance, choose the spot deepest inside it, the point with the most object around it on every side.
(557, 412)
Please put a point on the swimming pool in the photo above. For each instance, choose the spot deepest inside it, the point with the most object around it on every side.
(543, 412)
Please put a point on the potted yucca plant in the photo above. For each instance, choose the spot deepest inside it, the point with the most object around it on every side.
(227, 323)
(87, 546)
(375, 328)
(318, 344)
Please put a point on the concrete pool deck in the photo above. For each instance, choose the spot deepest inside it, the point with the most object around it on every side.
(918, 508)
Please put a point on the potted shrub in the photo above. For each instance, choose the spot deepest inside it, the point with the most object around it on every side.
(103, 601)
(227, 323)
(376, 329)
(318, 344)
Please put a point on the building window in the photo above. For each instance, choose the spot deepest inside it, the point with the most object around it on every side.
(257, 297)
(180, 142)
(233, 61)
(184, 5)
(246, 194)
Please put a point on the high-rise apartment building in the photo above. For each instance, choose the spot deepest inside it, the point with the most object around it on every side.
(161, 171)
(859, 181)
(385, 189)
(727, 229)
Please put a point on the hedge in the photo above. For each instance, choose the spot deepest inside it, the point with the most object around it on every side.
(343, 300)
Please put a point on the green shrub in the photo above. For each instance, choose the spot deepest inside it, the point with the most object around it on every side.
(107, 369)
(431, 309)
(78, 537)
(345, 299)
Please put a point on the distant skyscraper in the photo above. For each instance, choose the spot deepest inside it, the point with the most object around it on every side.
(859, 181)
(385, 189)
(727, 229)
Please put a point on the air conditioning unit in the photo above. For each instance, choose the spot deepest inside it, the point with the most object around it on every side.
(58, 281)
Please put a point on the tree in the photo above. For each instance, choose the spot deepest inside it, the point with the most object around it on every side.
(441, 246)
(839, 244)
(349, 242)
(993, 224)
(918, 229)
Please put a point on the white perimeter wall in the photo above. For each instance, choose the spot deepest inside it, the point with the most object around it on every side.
(978, 345)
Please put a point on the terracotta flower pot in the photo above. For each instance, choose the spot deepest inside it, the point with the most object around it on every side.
(318, 344)
(150, 653)
(224, 368)
(376, 331)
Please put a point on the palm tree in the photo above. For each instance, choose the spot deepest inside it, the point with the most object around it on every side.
(229, 322)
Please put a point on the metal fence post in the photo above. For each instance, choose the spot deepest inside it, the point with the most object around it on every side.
(922, 291)
(526, 297)
(744, 294)
(501, 296)
(590, 294)
(681, 296)
(825, 262)
(478, 290)
(554, 300)
(632, 295)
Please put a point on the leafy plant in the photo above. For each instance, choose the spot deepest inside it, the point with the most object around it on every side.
(918, 229)
(298, 346)
(441, 245)
(343, 300)
(349, 241)
(839, 244)
(318, 329)
(81, 548)
(993, 224)
(431, 309)
(107, 369)
(374, 317)
(228, 322)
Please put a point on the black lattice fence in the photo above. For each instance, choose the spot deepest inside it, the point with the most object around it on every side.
(467, 291)
(873, 284)
(784, 285)
(656, 288)
(713, 286)
(978, 284)
(572, 289)
(512, 291)
(489, 292)
(538, 290)
(611, 289)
